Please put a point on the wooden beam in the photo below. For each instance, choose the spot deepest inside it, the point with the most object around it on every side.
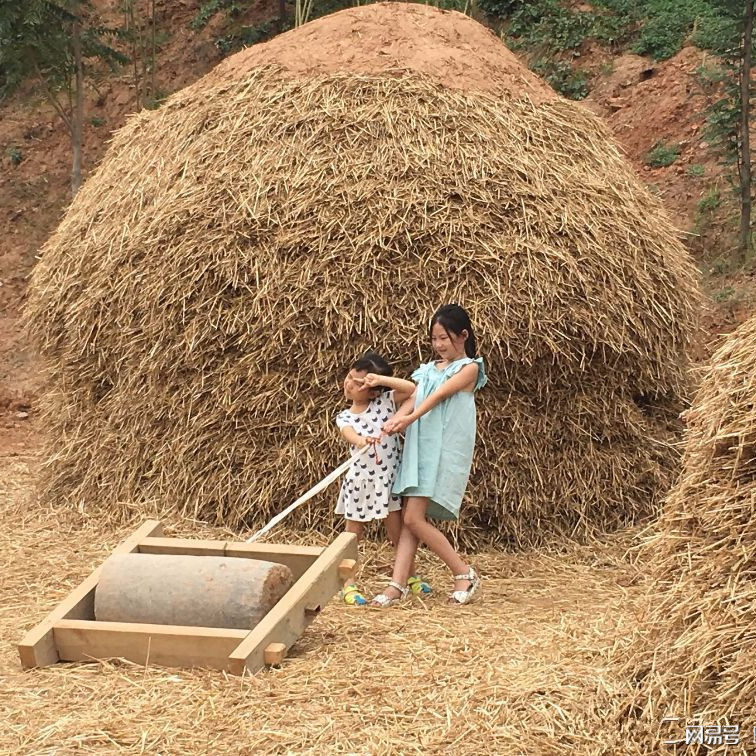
(183, 546)
(298, 559)
(274, 654)
(347, 568)
(287, 620)
(37, 648)
(166, 645)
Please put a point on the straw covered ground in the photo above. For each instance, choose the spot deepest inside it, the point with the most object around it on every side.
(527, 670)
(695, 657)
(240, 246)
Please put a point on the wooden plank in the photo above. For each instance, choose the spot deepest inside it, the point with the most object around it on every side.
(164, 645)
(298, 559)
(347, 568)
(183, 546)
(37, 648)
(287, 620)
(274, 654)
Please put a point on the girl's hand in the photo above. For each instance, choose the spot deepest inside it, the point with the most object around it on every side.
(371, 380)
(364, 441)
(398, 424)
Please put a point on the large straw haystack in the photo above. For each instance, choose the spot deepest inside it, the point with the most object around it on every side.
(695, 655)
(240, 246)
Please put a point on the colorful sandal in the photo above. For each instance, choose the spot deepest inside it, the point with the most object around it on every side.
(418, 585)
(463, 597)
(351, 595)
(382, 600)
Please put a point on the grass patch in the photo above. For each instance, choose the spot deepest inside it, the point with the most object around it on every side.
(657, 28)
(566, 80)
(14, 155)
(662, 154)
(709, 202)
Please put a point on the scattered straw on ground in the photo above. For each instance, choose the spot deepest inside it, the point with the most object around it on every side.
(527, 669)
(694, 658)
(239, 247)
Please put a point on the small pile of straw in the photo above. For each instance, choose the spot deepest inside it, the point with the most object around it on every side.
(238, 248)
(694, 656)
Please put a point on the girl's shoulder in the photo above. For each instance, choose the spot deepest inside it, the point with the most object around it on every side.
(423, 370)
(454, 367)
(344, 416)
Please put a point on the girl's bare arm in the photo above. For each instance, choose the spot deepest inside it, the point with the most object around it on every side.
(402, 388)
(464, 380)
(408, 405)
(354, 438)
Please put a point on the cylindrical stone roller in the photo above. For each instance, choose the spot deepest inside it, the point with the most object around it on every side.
(205, 591)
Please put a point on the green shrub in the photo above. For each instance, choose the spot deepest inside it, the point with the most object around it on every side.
(500, 8)
(569, 82)
(709, 202)
(244, 36)
(723, 295)
(668, 24)
(209, 8)
(662, 154)
(155, 100)
(97, 121)
(657, 28)
(15, 156)
(696, 169)
(206, 11)
(716, 33)
(549, 25)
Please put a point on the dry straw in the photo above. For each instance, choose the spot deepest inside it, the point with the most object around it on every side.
(527, 670)
(240, 246)
(694, 657)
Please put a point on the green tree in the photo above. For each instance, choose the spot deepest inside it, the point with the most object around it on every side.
(53, 46)
(744, 163)
(728, 118)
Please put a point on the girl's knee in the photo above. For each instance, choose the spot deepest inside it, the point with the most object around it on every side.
(413, 520)
(355, 527)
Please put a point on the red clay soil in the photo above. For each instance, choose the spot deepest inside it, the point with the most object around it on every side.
(645, 102)
(450, 47)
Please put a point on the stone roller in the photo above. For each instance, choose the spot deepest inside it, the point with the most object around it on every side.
(204, 591)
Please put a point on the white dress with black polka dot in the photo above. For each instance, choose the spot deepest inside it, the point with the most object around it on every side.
(366, 490)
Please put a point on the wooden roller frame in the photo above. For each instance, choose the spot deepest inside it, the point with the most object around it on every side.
(70, 632)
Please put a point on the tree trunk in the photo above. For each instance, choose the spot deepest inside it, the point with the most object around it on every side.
(77, 114)
(281, 15)
(154, 63)
(133, 22)
(745, 139)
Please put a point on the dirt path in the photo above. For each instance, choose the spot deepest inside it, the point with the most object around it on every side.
(527, 669)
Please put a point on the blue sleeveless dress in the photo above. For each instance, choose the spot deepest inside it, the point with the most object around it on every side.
(438, 448)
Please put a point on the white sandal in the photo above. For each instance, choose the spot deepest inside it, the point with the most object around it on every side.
(382, 600)
(464, 597)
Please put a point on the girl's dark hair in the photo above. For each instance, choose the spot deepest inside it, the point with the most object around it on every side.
(372, 362)
(454, 319)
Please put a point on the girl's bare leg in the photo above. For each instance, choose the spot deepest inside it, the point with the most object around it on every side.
(358, 529)
(394, 530)
(414, 521)
(394, 526)
(404, 561)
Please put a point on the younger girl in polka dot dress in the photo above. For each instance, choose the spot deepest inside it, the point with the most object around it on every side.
(366, 491)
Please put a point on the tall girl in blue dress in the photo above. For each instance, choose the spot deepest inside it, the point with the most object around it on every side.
(438, 452)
